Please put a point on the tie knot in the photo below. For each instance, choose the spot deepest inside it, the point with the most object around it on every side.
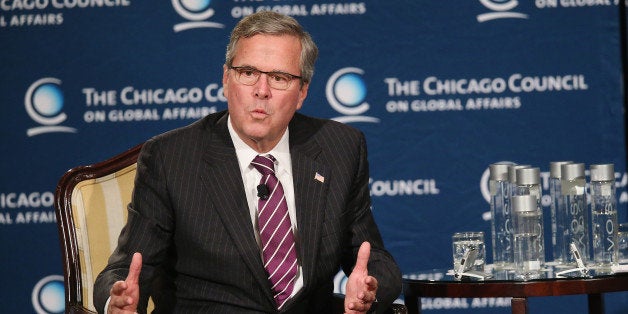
(264, 164)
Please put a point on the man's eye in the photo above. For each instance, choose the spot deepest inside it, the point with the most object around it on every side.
(279, 77)
(248, 72)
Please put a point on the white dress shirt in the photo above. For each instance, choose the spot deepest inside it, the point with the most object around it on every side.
(252, 177)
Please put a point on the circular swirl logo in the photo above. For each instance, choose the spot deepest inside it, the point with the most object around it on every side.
(49, 295)
(340, 282)
(350, 90)
(346, 93)
(44, 103)
(500, 5)
(194, 10)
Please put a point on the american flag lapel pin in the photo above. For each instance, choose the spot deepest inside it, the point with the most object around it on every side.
(318, 177)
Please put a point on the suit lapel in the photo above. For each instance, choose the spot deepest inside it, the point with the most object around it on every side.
(310, 192)
(223, 174)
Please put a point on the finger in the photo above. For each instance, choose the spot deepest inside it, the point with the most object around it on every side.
(134, 269)
(118, 288)
(366, 296)
(363, 256)
(120, 301)
(359, 307)
(371, 283)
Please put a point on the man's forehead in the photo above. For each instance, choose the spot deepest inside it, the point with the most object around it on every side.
(262, 50)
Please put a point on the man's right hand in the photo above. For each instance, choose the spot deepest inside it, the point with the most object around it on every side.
(125, 295)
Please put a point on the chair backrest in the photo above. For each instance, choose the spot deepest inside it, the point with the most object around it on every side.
(90, 203)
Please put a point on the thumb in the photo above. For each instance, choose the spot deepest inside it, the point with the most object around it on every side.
(363, 257)
(134, 269)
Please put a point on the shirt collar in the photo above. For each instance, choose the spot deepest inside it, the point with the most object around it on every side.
(245, 153)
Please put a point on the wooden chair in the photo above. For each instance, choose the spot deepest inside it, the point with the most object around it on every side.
(90, 204)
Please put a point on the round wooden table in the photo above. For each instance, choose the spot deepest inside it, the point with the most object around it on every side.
(447, 287)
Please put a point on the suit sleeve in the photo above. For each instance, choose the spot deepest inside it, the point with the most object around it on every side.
(363, 228)
(148, 230)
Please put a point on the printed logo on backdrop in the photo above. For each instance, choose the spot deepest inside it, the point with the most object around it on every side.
(27, 208)
(134, 104)
(48, 295)
(197, 12)
(403, 187)
(500, 9)
(550, 4)
(340, 282)
(289, 7)
(44, 104)
(346, 93)
(454, 303)
(27, 13)
(437, 94)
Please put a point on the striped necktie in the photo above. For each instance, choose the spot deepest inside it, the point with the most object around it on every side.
(280, 257)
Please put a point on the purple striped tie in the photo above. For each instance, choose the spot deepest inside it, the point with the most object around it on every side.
(280, 256)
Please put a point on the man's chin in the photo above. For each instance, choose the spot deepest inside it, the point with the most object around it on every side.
(256, 135)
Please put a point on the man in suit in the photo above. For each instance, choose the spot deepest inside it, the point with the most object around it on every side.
(193, 221)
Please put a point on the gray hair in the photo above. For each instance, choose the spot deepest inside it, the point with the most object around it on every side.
(273, 23)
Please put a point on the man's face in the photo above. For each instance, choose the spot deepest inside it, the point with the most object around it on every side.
(259, 113)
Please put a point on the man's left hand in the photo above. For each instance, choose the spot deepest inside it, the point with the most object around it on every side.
(361, 288)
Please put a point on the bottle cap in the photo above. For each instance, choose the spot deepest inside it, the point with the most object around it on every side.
(604, 172)
(555, 168)
(527, 176)
(524, 203)
(572, 171)
(512, 172)
(499, 171)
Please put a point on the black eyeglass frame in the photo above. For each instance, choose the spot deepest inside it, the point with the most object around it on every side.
(268, 74)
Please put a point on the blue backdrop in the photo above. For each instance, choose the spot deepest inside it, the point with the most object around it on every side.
(441, 89)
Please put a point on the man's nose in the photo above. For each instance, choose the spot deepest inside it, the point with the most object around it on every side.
(262, 88)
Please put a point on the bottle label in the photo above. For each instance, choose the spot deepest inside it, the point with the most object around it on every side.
(605, 190)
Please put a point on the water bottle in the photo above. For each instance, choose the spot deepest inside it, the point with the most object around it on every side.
(556, 207)
(528, 182)
(574, 213)
(512, 178)
(501, 221)
(527, 237)
(604, 217)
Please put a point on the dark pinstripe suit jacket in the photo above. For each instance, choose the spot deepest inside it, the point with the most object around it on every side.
(189, 215)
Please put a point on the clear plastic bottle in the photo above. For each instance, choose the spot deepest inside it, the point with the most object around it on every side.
(501, 218)
(604, 217)
(557, 223)
(528, 182)
(527, 237)
(574, 215)
(512, 178)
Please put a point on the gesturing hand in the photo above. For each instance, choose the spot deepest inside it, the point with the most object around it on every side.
(125, 295)
(361, 288)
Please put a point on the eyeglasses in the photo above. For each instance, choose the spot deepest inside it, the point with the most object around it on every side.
(277, 80)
